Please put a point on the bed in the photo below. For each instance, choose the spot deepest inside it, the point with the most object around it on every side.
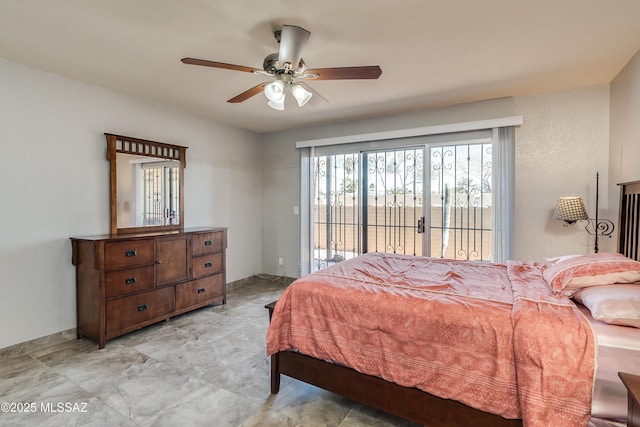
(379, 330)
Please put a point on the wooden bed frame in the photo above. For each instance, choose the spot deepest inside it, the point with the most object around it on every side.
(414, 404)
(629, 220)
(408, 403)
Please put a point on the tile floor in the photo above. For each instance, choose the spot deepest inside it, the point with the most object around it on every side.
(204, 368)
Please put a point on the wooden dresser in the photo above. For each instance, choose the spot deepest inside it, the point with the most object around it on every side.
(129, 281)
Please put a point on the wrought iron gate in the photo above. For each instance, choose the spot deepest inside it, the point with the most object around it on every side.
(365, 202)
(461, 201)
(393, 197)
(160, 194)
(376, 201)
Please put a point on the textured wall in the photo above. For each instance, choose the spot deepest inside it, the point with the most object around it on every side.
(561, 145)
(625, 127)
(559, 149)
(55, 184)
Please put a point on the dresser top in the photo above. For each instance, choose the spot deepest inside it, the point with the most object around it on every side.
(150, 233)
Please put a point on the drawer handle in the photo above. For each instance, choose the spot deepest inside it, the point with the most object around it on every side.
(207, 264)
(142, 307)
(130, 280)
(131, 253)
(207, 242)
(201, 291)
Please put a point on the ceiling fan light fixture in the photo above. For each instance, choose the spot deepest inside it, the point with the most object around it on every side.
(287, 64)
(276, 105)
(300, 94)
(274, 91)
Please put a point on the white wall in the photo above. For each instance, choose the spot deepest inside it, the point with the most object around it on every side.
(559, 148)
(625, 127)
(54, 184)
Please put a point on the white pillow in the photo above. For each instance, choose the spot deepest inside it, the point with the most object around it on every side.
(617, 304)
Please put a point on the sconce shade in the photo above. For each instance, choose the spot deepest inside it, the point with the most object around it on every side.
(570, 210)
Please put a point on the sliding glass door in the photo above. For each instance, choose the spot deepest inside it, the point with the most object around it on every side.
(432, 199)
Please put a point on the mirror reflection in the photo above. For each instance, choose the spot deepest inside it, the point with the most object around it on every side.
(148, 191)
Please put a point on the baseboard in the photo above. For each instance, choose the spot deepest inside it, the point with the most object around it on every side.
(60, 337)
(37, 344)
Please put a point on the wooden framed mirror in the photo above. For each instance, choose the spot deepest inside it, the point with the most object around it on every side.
(146, 184)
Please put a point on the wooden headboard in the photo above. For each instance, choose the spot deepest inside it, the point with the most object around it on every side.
(629, 219)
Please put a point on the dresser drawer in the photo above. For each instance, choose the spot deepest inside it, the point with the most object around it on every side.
(128, 253)
(122, 313)
(208, 289)
(206, 243)
(122, 282)
(207, 264)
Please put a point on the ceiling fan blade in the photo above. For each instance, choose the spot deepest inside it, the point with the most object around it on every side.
(248, 93)
(293, 39)
(344, 73)
(205, 63)
(316, 99)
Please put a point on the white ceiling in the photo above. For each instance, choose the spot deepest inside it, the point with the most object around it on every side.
(432, 52)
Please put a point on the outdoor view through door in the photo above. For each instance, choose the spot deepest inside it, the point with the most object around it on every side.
(427, 200)
(160, 193)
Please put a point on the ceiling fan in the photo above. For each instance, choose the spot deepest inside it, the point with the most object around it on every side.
(288, 69)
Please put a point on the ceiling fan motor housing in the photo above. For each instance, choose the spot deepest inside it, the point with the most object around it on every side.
(270, 65)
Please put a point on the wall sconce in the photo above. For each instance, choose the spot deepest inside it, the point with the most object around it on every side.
(571, 209)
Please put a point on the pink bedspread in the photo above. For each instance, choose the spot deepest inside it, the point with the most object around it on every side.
(492, 336)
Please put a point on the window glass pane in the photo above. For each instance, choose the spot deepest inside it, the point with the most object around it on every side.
(160, 194)
(336, 209)
(461, 201)
(393, 197)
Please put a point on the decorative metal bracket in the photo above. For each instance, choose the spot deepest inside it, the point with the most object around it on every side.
(599, 227)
